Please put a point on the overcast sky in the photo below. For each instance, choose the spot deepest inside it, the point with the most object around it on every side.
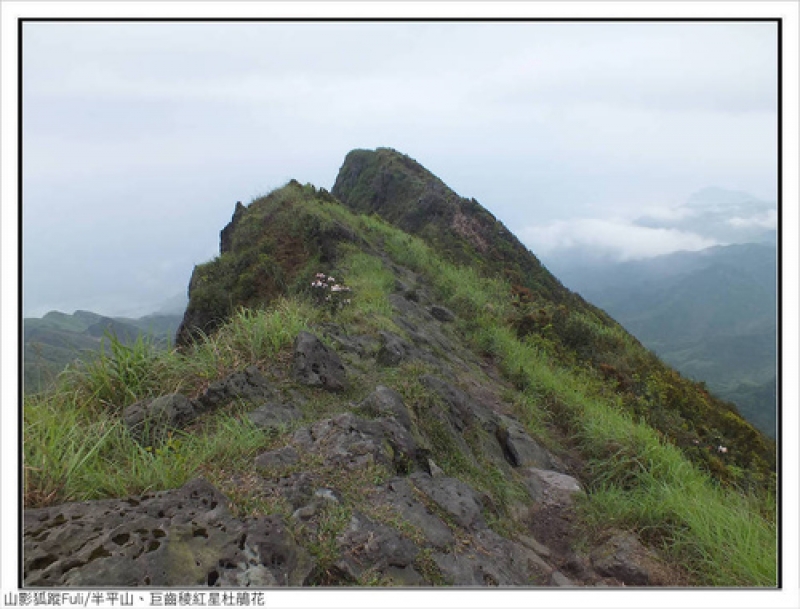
(139, 138)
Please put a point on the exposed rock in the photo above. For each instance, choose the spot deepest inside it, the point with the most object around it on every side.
(385, 402)
(149, 421)
(551, 488)
(435, 470)
(520, 449)
(401, 497)
(442, 313)
(393, 350)
(375, 547)
(249, 385)
(626, 559)
(179, 538)
(362, 345)
(277, 459)
(316, 365)
(226, 234)
(353, 442)
(462, 409)
(272, 557)
(274, 415)
(561, 580)
(492, 561)
(458, 500)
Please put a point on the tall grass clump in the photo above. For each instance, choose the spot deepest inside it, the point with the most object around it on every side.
(76, 447)
(118, 376)
(72, 456)
(250, 336)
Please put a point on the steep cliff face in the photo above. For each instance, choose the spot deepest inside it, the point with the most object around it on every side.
(415, 416)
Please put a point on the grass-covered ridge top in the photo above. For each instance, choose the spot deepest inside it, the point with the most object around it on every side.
(274, 246)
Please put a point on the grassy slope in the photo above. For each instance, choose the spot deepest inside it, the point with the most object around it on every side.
(393, 186)
(639, 477)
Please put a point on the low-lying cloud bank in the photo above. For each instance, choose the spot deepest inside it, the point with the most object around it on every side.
(712, 216)
(618, 239)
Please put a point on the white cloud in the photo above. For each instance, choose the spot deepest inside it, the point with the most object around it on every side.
(768, 220)
(615, 238)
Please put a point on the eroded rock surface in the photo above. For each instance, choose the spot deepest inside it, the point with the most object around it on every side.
(316, 365)
(181, 538)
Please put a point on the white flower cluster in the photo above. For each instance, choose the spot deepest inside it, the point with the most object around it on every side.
(327, 287)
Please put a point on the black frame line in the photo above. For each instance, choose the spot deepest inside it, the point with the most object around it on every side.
(779, 327)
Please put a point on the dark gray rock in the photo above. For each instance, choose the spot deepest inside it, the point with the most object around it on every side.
(316, 365)
(393, 350)
(249, 385)
(441, 313)
(454, 497)
(149, 421)
(463, 410)
(180, 538)
(371, 546)
(277, 459)
(401, 498)
(385, 402)
(360, 345)
(519, 448)
(491, 560)
(274, 415)
(271, 557)
(353, 442)
(624, 558)
(226, 234)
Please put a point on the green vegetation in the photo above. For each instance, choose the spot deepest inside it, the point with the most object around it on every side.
(580, 381)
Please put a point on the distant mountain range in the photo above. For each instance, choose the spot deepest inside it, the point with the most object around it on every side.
(57, 339)
(711, 314)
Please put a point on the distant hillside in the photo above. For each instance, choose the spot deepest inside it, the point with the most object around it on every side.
(711, 314)
(54, 341)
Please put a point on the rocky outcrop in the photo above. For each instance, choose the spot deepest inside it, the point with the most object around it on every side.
(182, 538)
(316, 365)
(149, 421)
(226, 234)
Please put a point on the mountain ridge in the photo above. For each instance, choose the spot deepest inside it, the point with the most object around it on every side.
(352, 404)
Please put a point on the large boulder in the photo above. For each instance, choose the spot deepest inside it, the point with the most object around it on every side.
(402, 498)
(370, 546)
(454, 498)
(519, 448)
(317, 365)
